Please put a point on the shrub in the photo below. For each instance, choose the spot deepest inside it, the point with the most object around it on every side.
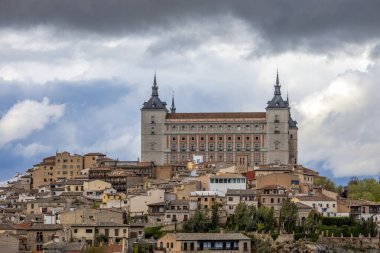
(337, 221)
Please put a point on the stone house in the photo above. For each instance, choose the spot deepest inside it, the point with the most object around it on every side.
(91, 216)
(11, 243)
(171, 212)
(234, 197)
(46, 205)
(272, 196)
(138, 204)
(206, 199)
(90, 233)
(204, 242)
(325, 205)
(39, 234)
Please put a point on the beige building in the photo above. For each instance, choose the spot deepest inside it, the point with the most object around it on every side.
(206, 199)
(204, 242)
(138, 204)
(272, 196)
(116, 233)
(91, 216)
(288, 181)
(96, 185)
(90, 159)
(292, 177)
(235, 197)
(62, 166)
(260, 137)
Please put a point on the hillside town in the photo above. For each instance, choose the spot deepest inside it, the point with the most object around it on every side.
(70, 203)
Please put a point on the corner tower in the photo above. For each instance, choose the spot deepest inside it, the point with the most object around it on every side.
(281, 130)
(153, 115)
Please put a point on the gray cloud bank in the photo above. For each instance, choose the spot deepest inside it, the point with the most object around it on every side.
(284, 25)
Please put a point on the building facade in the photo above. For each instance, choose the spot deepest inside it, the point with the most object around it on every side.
(260, 137)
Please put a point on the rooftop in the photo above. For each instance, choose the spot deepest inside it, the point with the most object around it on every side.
(226, 175)
(209, 236)
(233, 192)
(318, 197)
(218, 115)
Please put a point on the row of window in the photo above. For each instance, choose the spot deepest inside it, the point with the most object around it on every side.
(227, 180)
(106, 231)
(321, 205)
(66, 160)
(221, 147)
(216, 127)
(220, 157)
(211, 138)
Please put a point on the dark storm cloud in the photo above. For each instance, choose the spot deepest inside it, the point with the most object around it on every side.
(284, 25)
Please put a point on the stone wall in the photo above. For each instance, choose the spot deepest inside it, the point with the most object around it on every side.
(361, 242)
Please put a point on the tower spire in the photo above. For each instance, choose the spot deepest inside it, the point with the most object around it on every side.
(277, 79)
(155, 87)
(172, 108)
(277, 87)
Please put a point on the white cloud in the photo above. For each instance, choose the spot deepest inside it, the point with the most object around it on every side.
(31, 149)
(338, 125)
(28, 116)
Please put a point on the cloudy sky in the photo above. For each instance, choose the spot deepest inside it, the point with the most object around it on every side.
(74, 74)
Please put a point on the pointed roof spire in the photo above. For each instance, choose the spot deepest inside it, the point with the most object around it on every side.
(172, 108)
(277, 100)
(277, 87)
(277, 79)
(154, 102)
(154, 87)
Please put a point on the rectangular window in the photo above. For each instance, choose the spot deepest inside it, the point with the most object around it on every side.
(88, 231)
(116, 232)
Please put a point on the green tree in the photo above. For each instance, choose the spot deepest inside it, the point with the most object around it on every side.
(311, 223)
(368, 189)
(326, 184)
(154, 232)
(288, 215)
(214, 216)
(251, 223)
(265, 219)
(196, 224)
(241, 216)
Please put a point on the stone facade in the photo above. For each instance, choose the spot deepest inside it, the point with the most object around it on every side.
(261, 137)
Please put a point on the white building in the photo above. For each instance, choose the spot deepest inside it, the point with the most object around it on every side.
(235, 197)
(223, 182)
(325, 205)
